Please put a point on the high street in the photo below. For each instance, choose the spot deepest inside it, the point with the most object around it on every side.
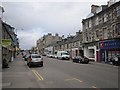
(60, 74)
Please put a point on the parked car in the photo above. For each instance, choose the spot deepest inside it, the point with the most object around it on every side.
(115, 60)
(35, 59)
(63, 55)
(26, 57)
(43, 54)
(55, 56)
(50, 55)
(80, 59)
(23, 54)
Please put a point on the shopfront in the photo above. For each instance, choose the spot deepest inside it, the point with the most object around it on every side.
(108, 49)
(77, 52)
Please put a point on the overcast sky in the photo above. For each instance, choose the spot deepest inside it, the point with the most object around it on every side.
(34, 19)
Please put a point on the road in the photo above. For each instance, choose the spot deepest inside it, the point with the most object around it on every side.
(60, 74)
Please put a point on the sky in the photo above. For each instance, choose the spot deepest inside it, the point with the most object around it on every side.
(33, 19)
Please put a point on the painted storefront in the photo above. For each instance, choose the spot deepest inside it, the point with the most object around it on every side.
(108, 49)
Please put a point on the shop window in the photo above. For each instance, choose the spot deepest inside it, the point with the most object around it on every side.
(91, 53)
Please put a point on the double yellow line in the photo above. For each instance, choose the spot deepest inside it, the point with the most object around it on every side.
(37, 75)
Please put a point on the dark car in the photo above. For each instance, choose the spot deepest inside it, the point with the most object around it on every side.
(80, 59)
(115, 60)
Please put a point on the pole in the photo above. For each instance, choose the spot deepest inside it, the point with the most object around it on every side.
(0, 42)
(0, 53)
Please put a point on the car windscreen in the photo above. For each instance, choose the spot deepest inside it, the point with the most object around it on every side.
(79, 57)
(36, 56)
(65, 54)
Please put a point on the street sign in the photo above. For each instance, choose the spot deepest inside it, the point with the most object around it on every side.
(6, 42)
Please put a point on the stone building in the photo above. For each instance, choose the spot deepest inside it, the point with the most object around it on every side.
(8, 43)
(64, 45)
(71, 44)
(77, 49)
(101, 32)
(1, 16)
(45, 41)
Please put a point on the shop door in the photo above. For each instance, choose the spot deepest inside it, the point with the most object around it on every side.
(103, 56)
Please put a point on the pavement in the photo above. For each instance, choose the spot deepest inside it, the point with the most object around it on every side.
(60, 74)
(18, 75)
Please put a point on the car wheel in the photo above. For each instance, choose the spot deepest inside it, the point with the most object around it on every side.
(77, 61)
(41, 65)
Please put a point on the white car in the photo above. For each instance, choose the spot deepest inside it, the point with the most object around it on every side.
(55, 56)
(35, 59)
(63, 55)
(50, 55)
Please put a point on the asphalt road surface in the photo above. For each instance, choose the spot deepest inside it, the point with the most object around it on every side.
(60, 74)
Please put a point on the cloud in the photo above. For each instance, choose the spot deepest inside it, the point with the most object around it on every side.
(38, 18)
(28, 38)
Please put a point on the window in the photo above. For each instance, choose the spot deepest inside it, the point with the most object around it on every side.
(105, 33)
(65, 53)
(118, 11)
(73, 44)
(90, 23)
(67, 46)
(36, 56)
(60, 46)
(104, 18)
(86, 25)
(118, 29)
(96, 21)
(100, 20)
(77, 44)
(97, 34)
(90, 36)
(91, 53)
(86, 36)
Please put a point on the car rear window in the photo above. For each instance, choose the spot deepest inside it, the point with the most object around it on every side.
(36, 56)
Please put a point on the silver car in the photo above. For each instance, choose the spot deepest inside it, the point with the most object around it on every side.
(35, 59)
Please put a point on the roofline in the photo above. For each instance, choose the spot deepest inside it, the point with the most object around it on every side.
(101, 11)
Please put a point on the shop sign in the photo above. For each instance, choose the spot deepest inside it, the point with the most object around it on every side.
(6, 42)
(109, 44)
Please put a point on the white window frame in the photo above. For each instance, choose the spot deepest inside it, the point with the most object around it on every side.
(96, 21)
